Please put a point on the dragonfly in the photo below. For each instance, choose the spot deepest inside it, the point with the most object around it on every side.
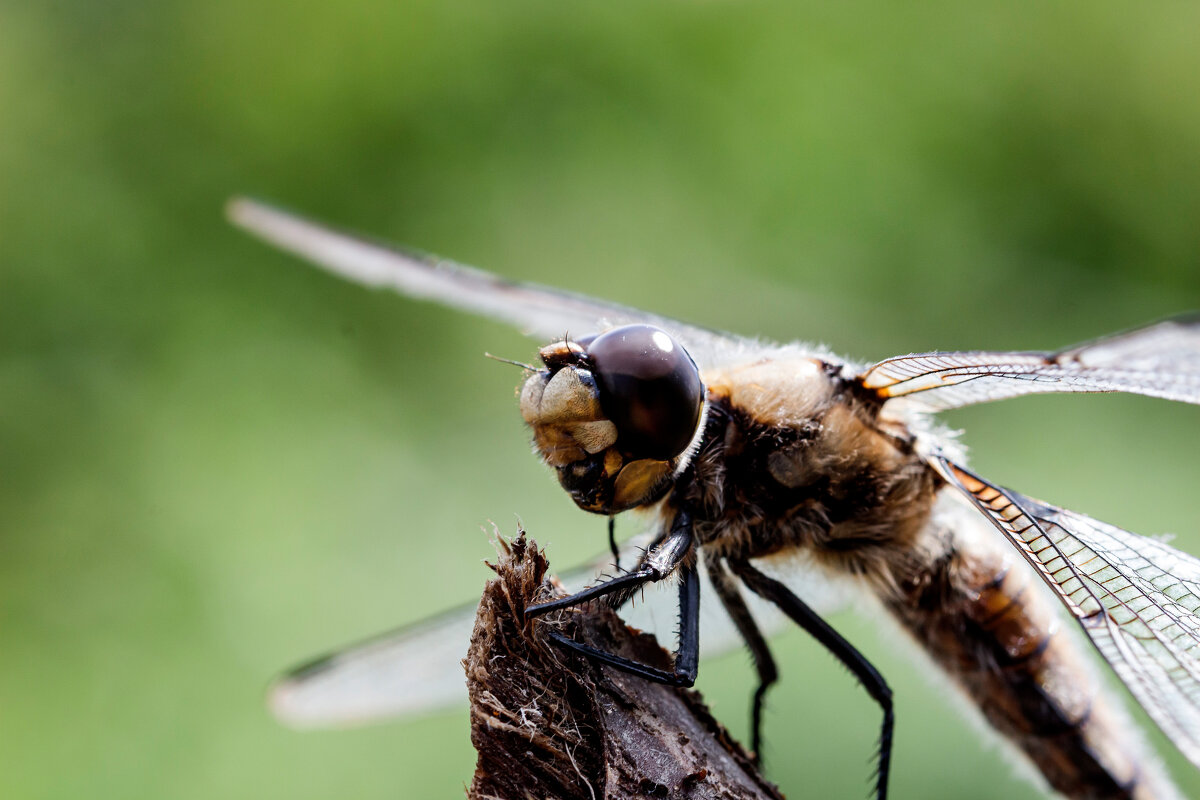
(769, 471)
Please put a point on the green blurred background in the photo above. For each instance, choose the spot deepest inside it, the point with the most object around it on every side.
(215, 462)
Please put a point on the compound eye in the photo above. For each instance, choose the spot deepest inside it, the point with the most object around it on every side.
(649, 388)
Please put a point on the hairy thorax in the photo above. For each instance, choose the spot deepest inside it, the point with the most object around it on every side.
(791, 458)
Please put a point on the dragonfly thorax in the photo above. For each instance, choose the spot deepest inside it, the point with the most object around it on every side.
(793, 460)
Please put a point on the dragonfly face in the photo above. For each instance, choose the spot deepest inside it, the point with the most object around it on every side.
(615, 415)
(746, 450)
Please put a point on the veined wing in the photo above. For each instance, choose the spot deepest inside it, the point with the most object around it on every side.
(1159, 360)
(410, 671)
(1136, 598)
(536, 310)
(418, 669)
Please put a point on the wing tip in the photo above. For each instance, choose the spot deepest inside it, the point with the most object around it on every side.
(237, 207)
(255, 216)
(285, 695)
(281, 699)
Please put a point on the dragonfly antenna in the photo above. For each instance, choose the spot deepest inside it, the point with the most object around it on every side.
(520, 364)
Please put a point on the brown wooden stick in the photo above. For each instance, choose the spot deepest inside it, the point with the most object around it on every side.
(550, 724)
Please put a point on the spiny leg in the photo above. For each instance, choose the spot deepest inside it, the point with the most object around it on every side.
(612, 543)
(764, 664)
(856, 662)
(659, 561)
(657, 564)
(687, 655)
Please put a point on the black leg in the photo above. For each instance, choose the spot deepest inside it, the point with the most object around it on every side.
(659, 562)
(845, 652)
(612, 543)
(764, 664)
(686, 657)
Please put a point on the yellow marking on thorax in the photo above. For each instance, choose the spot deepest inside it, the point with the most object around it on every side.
(782, 392)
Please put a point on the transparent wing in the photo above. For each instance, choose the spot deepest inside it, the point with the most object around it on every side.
(1136, 598)
(535, 310)
(417, 669)
(1160, 360)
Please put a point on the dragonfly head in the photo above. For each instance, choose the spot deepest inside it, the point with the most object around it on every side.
(616, 414)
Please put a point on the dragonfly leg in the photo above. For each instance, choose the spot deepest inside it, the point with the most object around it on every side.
(856, 662)
(658, 563)
(764, 664)
(612, 543)
(686, 656)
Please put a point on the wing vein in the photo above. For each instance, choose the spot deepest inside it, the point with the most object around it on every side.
(1135, 598)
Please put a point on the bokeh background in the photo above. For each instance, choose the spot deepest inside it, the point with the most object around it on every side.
(215, 462)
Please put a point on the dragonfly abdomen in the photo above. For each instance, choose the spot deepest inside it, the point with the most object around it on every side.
(983, 615)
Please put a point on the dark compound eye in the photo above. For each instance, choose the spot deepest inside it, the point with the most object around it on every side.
(649, 387)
